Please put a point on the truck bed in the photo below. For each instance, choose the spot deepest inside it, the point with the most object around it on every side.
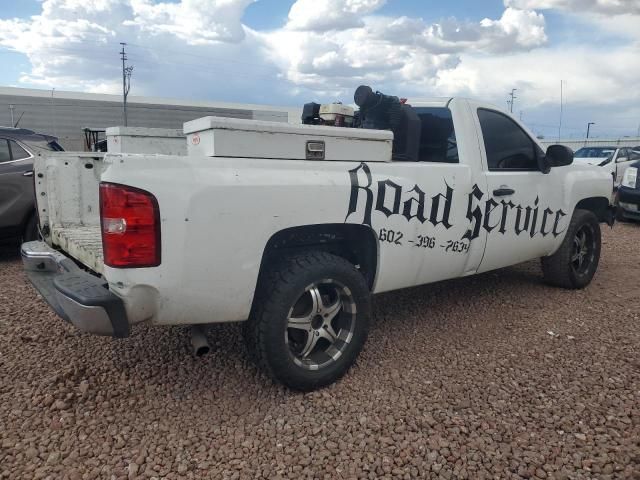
(84, 243)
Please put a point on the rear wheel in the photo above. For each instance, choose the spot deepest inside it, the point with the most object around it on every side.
(576, 261)
(310, 320)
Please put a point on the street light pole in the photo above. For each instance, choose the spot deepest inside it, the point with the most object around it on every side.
(589, 128)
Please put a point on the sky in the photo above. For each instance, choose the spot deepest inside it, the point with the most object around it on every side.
(289, 52)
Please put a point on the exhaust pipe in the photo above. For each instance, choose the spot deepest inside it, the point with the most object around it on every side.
(199, 341)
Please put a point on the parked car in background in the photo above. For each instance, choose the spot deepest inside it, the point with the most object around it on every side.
(18, 147)
(615, 159)
(629, 191)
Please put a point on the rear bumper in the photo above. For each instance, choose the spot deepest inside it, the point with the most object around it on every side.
(74, 294)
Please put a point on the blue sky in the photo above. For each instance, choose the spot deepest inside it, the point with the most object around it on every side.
(267, 14)
(290, 52)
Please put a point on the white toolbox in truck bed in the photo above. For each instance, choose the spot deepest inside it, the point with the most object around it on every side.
(166, 141)
(231, 137)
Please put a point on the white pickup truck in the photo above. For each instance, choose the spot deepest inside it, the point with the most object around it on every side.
(292, 228)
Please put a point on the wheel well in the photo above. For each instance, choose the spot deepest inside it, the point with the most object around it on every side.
(598, 205)
(355, 243)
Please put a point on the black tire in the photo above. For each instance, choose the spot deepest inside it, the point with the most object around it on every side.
(31, 231)
(285, 296)
(576, 261)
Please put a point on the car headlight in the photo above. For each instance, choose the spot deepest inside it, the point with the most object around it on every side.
(630, 178)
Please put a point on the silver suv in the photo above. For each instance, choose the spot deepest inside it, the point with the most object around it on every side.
(18, 146)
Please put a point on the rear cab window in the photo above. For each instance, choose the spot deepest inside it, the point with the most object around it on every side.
(438, 142)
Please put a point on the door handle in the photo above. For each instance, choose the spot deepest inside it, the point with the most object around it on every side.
(503, 192)
(28, 173)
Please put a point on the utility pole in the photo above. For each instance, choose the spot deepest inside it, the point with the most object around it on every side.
(589, 128)
(126, 82)
(513, 97)
(11, 107)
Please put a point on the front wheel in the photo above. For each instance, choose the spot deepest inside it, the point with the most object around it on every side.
(310, 320)
(576, 261)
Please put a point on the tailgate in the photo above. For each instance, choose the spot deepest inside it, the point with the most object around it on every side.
(67, 186)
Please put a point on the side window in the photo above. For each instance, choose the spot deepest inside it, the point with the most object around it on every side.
(437, 137)
(634, 154)
(508, 147)
(5, 154)
(17, 152)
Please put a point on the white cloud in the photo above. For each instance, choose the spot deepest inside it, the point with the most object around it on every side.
(391, 51)
(326, 48)
(593, 76)
(515, 30)
(328, 15)
(194, 21)
(608, 7)
(73, 44)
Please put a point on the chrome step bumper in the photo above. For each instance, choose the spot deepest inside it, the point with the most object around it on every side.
(74, 294)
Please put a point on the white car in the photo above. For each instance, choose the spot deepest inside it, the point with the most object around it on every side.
(292, 228)
(614, 160)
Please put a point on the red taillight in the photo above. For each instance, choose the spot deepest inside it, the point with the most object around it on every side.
(130, 221)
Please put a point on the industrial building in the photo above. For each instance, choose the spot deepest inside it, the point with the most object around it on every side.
(66, 114)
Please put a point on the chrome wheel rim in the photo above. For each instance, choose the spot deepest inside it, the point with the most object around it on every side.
(320, 324)
(583, 250)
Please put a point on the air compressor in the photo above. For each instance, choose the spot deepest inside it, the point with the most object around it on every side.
(377, 111)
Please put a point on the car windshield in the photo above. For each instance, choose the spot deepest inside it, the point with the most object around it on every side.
(595, 152)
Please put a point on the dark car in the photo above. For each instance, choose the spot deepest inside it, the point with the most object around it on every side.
(18, 147)
(629, 191)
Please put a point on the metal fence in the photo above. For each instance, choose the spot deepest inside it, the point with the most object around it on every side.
(594, 142)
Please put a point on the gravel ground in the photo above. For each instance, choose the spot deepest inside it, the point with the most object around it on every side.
(496, 376)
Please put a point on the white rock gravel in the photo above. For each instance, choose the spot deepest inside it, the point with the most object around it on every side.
(457, 380)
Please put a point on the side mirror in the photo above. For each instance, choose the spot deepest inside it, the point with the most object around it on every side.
(558, 156)
(622, 159)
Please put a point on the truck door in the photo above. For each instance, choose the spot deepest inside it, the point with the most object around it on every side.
(419, 209)
(522, 210)
(16, 184)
